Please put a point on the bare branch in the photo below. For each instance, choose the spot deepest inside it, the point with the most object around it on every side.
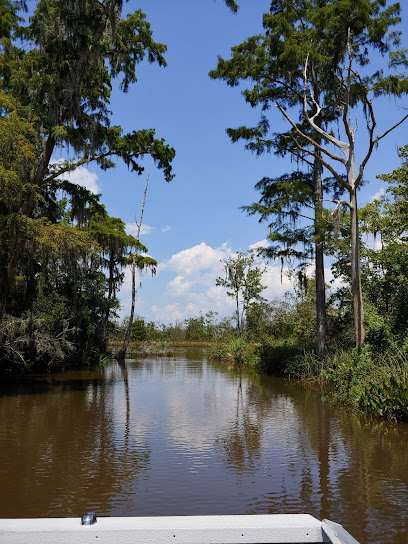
(306, 217)
(338, 204)
(310, 140)
(344, 147)
(326, 165)
(390, 129)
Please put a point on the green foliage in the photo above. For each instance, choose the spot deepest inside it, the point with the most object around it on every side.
(378, 329)
(56, 74)
(276, 356)
(376, 384)
(139, 330)
(307, 367)
(238, 352)
(385, 274)
(243, 283)
(314, 55)
(195, 328)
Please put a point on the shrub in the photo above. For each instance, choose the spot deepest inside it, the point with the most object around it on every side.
(373, 383)
(276, 355)
(238, 352)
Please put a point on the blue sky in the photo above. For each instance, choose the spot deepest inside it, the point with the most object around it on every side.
(194, 221)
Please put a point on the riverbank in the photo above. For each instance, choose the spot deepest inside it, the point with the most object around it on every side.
(157, 348)
(371, 382)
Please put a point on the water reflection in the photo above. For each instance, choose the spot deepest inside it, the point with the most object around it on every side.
(60, 451)
(183, 436)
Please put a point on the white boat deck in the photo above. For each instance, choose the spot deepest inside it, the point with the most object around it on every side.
(256, 529)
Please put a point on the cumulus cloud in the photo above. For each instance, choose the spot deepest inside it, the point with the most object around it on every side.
(179, 286)
(170, 313)
(257, 245)
(192, 285)
(197, 259)
(186, 285)
(83, 177)
(131, 228)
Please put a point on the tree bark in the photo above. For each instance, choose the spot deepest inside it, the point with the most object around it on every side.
(238, 316)
(321, 320)
(355, 271)
(122, 352)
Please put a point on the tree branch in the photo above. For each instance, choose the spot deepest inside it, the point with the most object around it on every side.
(74, 165)
(310, 140)
(338, 203)
(390, 129)
(344, 147)
(327, 165)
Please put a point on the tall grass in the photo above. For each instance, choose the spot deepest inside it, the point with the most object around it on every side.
(368, 381)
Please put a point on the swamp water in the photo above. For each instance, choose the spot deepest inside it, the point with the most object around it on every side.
(185, 436)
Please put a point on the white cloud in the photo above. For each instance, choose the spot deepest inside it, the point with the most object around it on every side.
(191, 288)
(197, 259)
(371, 241)
(166, 228)
(83, 177)
(186, 285)
(178, 286)
(378, 194)
(170, 313)
(131, 228)
(258, 245)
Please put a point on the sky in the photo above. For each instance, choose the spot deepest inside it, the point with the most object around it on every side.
(194, 222)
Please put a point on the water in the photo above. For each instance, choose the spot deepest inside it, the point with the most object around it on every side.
(184, 436)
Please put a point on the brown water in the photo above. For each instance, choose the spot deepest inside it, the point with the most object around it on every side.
(184, 436)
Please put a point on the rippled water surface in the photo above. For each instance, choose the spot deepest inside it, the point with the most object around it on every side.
(184, 436)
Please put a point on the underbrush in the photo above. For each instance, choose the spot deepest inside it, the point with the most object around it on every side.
(368, 381)
(237, 351)
(42, 343)
(372, 382)
(375, 383)
(277, 355)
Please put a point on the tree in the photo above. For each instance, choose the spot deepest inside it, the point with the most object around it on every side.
(117, 248)
(62, 82)
(353, 90)
(272, 64)
(195, 328)
(141, 262)
(317, 45)
(385, 274)
(17, 156)
(288, 206)
(243, 283)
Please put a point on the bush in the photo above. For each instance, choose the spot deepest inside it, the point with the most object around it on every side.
(307, 367)
(378, 330)
(276, 355)
(373, 383)
(238, 352)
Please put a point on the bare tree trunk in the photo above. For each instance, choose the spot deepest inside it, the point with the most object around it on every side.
(122, 352)
(321, 321)
(355, 271)
(238, 316)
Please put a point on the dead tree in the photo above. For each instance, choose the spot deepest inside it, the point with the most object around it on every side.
(346, 77)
